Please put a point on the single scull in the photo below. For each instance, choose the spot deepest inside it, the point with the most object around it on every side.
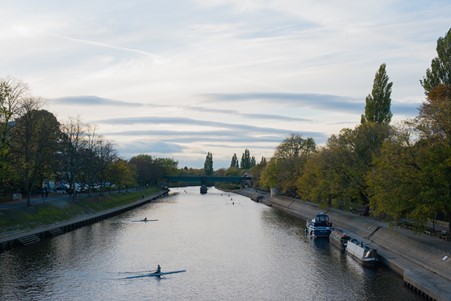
(155, 274)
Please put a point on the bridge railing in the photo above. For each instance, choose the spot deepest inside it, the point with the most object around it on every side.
(207, 179)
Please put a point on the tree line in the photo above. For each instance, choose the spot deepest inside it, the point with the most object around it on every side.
(36, 148)
(400, 171)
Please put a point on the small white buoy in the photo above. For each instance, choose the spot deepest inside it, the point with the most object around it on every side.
(445, 258)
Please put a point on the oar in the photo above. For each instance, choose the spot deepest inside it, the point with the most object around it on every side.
(138, 272)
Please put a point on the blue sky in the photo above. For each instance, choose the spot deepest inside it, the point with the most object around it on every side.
(182, 78)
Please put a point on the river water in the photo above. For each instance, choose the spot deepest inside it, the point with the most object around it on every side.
(231, 247)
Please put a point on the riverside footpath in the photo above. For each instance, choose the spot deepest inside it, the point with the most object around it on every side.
(423, 261)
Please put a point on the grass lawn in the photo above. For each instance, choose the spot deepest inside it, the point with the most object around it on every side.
(27, 218)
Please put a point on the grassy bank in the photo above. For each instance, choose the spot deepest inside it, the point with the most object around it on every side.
(27, 218)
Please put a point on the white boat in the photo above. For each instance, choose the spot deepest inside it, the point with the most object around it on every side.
(155, 274)
(362, 252)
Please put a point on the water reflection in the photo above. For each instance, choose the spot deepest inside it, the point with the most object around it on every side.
(231, 252)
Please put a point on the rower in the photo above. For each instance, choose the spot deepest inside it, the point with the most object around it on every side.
(158, 271)
(145, 219)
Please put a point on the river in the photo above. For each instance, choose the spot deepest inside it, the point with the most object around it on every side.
(231, 247)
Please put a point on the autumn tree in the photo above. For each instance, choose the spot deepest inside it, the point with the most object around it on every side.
(378, 103)
(321, 182)
(412, 172)
(287, 164)
(122, 173)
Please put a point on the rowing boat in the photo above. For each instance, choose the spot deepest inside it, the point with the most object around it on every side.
(143, 220)
(155, 274)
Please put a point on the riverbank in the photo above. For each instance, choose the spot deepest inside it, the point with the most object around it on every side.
(423, 261)
(75, 215)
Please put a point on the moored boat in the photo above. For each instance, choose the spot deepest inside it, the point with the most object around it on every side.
(203, 189)
(319, 226)
(339, 239)
(362, 252)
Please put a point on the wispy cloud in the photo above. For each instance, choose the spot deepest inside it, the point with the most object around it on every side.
(219, 74)
(313, 100)
(182, 121)
(91, 101)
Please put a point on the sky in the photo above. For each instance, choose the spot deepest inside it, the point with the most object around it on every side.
(179, 79)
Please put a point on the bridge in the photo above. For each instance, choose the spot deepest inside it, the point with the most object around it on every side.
(207, 180)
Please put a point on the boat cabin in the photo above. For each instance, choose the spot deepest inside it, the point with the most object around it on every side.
(322, 219)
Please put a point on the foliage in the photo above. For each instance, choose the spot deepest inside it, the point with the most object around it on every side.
(246, 160)
(234, 162)
(208, 165)
(378, 103)
(440, 71)
(12, 94)
(150, 171)
(36, 141)
(122, 173)
(287, 165)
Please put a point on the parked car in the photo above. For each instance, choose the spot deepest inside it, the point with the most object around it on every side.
(62, 189)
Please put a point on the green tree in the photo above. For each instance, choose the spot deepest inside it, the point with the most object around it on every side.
(246, 160)
(12, 94)
(320, 181)
(440, 71)
(287, 164)
(234, 162)
(253, 162)
(269, 177)
(36, 136)
(208, 165)
(144, 166)
(399, 181)
(122, 174)
(378, 103)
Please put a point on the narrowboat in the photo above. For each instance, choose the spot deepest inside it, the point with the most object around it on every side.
(362, 252)
(339, 239)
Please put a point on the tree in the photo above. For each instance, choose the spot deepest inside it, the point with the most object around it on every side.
(246, 160)
(106, 156)
(72, 144)
(253, 162)
(122, 173)
(440, 71)
(400, 181)
(90, 159)
(295, 146)
(378, 103)
(287, 164)
(144, 166)
(12, 94)
(320, 182)
(234, 162)
(208, 165)
(36, 142)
